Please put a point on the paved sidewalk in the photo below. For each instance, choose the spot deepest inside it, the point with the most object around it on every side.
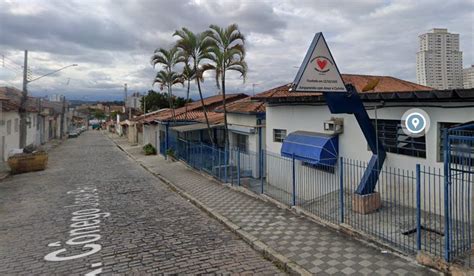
(313, 247)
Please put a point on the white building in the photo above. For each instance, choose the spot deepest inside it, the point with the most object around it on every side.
(468, 77)
(55, 98)
(134, 101)
(162, 130)
(439, 60)
(10, 121)
(306, 113)
(43, 121)
(246, 123)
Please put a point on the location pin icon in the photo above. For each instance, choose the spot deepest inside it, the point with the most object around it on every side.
(415, 122)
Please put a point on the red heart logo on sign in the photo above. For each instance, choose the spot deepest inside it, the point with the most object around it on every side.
(321, 63)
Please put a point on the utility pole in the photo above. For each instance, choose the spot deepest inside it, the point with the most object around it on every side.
(125, 95)
(24, 99)
(253, 88)
(61, 127)
(125, 102)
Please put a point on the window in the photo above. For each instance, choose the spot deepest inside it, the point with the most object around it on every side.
(16, 125)
(279, 135)
(241, 142)
(454, 159)
(394, 140)
(9, 127)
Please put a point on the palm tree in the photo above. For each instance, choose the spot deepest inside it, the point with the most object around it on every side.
(196, 47)
(167, 77)
(188, 75)
(228, 54)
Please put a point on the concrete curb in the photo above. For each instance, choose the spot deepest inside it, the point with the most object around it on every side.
(281, 261)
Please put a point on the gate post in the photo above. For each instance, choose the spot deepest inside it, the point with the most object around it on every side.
(294, 181)
(447, 158)
(341, 188)
(225, 163)
(418, 207)
(201, 157)
(238, 166)
(262, 167)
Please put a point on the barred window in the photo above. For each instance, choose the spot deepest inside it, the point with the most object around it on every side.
(279, 135)
(394, 140)
(241, 142)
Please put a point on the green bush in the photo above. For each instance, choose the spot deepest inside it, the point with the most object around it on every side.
(170, 153)
(149, 149)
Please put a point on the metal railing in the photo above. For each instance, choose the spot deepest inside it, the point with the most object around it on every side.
(419, 210)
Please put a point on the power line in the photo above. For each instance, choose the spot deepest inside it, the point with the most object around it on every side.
(9, 60)
(12, 70)
(8, 65)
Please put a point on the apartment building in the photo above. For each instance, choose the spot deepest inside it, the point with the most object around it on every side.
(468, 77)
(439, 60)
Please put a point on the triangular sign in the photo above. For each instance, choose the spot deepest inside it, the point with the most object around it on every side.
(318, 72)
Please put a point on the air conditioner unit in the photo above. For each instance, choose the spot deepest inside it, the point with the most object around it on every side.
(334, 125)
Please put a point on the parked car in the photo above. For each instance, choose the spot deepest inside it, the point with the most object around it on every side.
(73, 134)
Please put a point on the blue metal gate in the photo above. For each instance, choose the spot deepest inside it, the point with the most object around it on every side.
(459, 178)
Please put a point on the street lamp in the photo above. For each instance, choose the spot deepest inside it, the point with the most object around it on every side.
(24, 97)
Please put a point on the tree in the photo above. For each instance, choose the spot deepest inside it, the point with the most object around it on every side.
(167, 77)
(196, 47)
(155, 101)
(188, 74)
(97, 113)
(228, 54)
(180, 102)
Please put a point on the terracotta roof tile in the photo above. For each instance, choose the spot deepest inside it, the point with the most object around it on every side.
(12, 100)
(363, 84)
(211, 103)
(246, 105)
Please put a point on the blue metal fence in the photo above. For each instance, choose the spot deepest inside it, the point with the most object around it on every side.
(421, 210)
(459, 179)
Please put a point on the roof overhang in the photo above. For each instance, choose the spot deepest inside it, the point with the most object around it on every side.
(193, 127)
(311, 147)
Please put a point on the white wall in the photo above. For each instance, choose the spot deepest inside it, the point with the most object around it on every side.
(352, 145)
(12, 140)
(251, 160)
(31, 132)
(150, 135)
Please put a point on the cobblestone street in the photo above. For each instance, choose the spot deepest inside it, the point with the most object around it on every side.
(95, 210)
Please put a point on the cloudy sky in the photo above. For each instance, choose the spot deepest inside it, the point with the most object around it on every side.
(112, 40)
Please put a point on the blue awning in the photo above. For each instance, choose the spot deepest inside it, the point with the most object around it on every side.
(311, 147)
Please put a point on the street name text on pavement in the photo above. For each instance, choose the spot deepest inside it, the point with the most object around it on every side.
(84, 231)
